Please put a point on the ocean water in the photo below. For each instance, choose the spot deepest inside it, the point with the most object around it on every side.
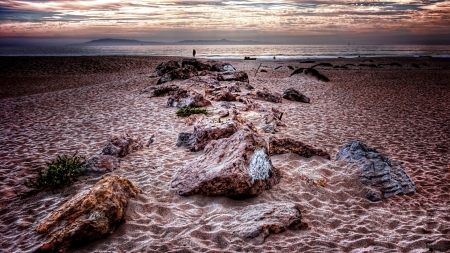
(261, 52)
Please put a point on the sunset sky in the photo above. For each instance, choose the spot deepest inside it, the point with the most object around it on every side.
(276, 21)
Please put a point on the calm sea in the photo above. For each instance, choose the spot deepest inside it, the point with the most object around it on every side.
(238, 51)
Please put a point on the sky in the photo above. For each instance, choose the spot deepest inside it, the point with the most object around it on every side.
(273, 21)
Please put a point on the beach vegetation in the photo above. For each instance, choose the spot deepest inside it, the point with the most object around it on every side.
(186, 111)
(62, 171)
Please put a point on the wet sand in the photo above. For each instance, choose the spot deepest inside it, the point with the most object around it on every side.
(56, 105)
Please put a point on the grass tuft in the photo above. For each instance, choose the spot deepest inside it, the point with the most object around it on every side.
(184, 112)
(62, 171)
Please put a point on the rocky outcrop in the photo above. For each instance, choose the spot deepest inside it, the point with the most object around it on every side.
(200, 66)
(89, 215)
(203, 134)
(102, 163)
(257, 222)
(159, 90)
(222, 67)
(236, 167)
(120, 145)
(166, 67)
(267, 95)
(294, 95)
(288, 145)
(179, 73)
(239, 76)
(220, 94)
(187, 98)
(387, 178)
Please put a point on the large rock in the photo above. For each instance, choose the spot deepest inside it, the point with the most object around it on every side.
(257, 222)
(240, 76)
(378, 172)
(236, 167)
(89, 215)
(288, 145)
(206, 81)
(268, 95)
(220, 94)
(179, 73)
(159, 90)
(187, 98)
(166, 67)
(120, 145)
(294, 95)
(203, 134)
(200, 66)
(222, 67)
(102, 163)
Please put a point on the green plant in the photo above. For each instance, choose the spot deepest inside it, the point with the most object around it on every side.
(186, 111)
(62, 171)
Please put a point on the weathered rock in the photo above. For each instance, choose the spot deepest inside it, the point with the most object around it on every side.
(166, 67)
(89, 214)
(377, 171)
(120, 145)
(257, 222)
(263, 70)
(288, 145)
(206, 81)
(200, 66)
(222, 67)
(315, 73)
(195, 118)
(187, 98)
(240, 76)
(203, 134)
(159, 90)
(221, 94)
(293, 94)
(236, 167)
(250, 104)
(268, 95)
(102, 163)
(179, 73)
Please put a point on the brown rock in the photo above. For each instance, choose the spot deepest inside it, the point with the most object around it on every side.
(268, 95)
(166, 67)
(221, 94)
(179, 73)
(259, 221)
(236, 167)
(293, 94)
(222, 67)
(206, 81)
(120, 145)
(159, 90)
(288, 145)
(187, 98)
(203, 134)
(88, 215)
(102, 163)
(200, 66)
(240, 76)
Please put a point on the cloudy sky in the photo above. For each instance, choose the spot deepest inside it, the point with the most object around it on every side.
(277, 21)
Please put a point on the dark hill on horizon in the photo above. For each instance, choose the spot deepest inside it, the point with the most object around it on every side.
(128, 42)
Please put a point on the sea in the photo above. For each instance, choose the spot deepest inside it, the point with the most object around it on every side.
(261, 52)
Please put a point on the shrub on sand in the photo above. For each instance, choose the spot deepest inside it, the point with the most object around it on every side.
(184, 112)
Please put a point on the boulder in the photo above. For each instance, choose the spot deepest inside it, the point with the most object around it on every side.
(222, 67)
(203, 134)
(179, 73)
(220, 94)
(235, 167)
(267, 95)
(200, 66)
(159, 90)
(315, 73)
(102, 163)
(294, 95)
(120, 145)
(288, 145)
(240, 76)
(166, 67)
(257, 222)
(187, 98)
(89, 215)
(378, 171)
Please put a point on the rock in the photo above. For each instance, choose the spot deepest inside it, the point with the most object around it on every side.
(373, 196)
(200, 66)
(221, 94)
(89, 215)
(187, 98)
(102, 163)
(315, 73)
(290, 67)
(203, 134)
(166, 67)
(207, 81)
(179, 73)
(298, 71)
(222, 67)
(227, 105)
(159, 90)
(377, 171)
(120, 145)
(263, 70)
(234, 87)
(235, 167)
(288, 145)
(195, 118)
(293, 94)
(240, 76)
(250, 104)
(257, 222)
(268, 95)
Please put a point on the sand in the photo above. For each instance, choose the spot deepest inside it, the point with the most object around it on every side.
(57, 105)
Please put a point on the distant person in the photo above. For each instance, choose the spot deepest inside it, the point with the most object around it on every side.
(193, 53)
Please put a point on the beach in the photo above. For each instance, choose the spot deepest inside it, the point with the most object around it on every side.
(400, 106)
